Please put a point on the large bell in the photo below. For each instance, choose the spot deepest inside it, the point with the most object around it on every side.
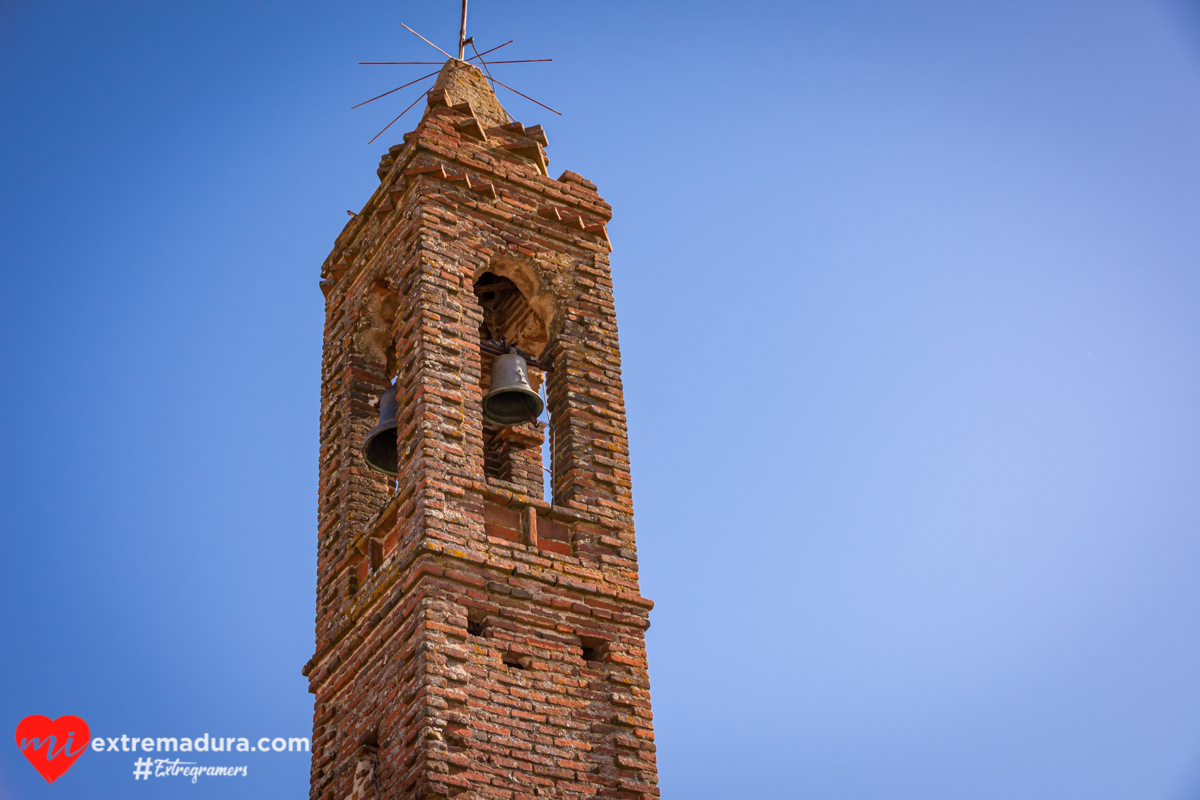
(510, 400)
(379, 448)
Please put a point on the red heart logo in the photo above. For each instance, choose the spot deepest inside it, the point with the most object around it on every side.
(50, 744)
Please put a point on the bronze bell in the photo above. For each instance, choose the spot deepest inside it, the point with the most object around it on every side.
(511, 400)
(379, 448)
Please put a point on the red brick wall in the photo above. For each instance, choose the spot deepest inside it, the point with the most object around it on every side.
(455, 610)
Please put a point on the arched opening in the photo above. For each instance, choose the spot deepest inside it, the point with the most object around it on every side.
(374, 343)
(514, 453)
(373, 372)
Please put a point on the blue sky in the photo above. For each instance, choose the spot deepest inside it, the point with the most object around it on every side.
(908, 297)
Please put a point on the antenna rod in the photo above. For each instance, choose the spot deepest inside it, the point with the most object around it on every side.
(462, 33)
(426, 41)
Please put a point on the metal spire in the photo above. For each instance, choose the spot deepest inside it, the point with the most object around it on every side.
(462, 33)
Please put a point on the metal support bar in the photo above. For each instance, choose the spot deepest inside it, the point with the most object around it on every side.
(462, 32)
(499, 348)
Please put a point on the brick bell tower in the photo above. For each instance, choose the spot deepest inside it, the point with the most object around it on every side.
(476, 638)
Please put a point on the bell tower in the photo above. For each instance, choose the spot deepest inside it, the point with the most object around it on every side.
(477, 636)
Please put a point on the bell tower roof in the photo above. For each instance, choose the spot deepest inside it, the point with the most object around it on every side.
(460, 82)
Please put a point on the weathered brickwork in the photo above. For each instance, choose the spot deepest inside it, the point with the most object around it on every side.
(475, 639)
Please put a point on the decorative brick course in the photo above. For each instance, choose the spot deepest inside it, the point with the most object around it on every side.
(475, 639)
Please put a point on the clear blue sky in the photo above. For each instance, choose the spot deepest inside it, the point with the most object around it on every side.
(909, 298)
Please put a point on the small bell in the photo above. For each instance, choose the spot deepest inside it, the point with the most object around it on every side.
(510, 400)
(379, 448)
